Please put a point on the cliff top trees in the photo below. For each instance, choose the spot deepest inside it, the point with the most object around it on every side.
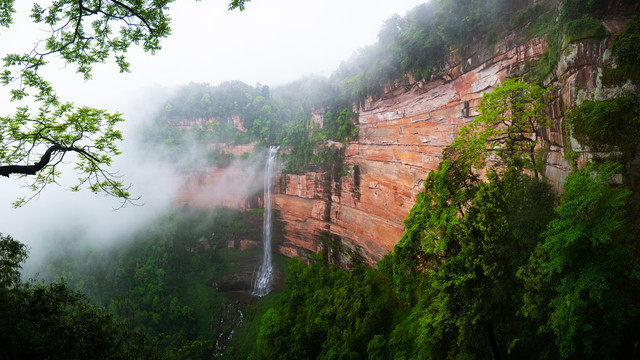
(45, 129)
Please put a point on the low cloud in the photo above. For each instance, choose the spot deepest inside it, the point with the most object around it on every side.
(232, 186)
(59, 213)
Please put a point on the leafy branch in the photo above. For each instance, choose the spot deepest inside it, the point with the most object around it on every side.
(81, 32)
(51, 135)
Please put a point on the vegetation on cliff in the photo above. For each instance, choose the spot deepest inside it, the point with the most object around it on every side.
(625, 47)
(610, 128)
(419, 44)
(508, 130)
(436, 34)
(234, 113)
(494, 268)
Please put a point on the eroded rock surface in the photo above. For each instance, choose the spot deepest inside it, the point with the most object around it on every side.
(401, 138)
(403, 134)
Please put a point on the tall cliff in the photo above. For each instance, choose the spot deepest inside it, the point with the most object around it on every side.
(402, 135)
(359, 208)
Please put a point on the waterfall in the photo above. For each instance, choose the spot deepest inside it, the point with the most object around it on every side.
(262, 283)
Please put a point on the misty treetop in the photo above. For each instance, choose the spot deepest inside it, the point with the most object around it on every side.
(54, 321)
(235, 113)
(196, 100)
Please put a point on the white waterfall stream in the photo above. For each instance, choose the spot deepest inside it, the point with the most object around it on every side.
(262, 284)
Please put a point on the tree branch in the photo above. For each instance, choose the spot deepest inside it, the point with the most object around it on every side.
(142, 18)
(7, 170)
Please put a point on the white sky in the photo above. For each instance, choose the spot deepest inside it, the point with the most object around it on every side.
(272, 42)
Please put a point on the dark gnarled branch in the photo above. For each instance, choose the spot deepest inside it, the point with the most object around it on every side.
(44, 160)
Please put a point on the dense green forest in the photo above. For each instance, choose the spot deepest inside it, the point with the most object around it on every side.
(157, 287)
(158, 280)
(495, 266)
(57, 321)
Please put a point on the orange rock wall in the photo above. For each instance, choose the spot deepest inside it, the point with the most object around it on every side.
(401, 139)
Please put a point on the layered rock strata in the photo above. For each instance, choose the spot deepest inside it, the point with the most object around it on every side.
(401, 138)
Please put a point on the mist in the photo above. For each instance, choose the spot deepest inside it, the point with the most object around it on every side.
(272, 43)
(99, 220)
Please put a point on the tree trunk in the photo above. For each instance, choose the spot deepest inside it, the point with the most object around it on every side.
(494, 344)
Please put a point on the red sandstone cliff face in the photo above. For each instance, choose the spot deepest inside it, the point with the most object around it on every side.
(401, 139)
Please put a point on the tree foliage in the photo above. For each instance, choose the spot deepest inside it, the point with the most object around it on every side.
(433, 225)
(82, 34)
(463, 244)
(89, 133)
(54, 322)
(12, 254)
(45, 129)
(509, 127)
(589, 260)
(327, 313)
